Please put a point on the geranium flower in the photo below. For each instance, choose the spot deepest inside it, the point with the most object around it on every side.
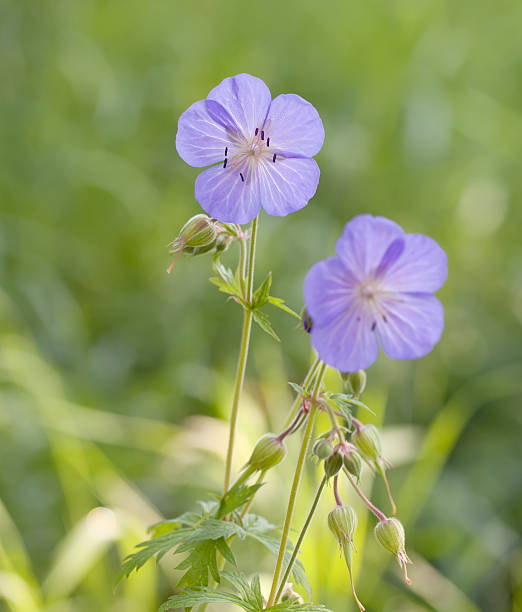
(259, 150)
(378, 289)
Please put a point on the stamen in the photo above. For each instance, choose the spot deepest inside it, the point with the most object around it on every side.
(242, 177)
(226, 151)
(268, 141)
(262, 134)
(225, 162)
(257, 131)
(274, 158)
(385, 318)
(374, 325)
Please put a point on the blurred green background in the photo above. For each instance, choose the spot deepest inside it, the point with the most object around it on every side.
(115, 379)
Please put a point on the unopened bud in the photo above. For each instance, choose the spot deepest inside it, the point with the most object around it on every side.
(307, 321)
(268, 451)
(290, 595)
(353, 463)
(368, 440)
(198, 231)
(357, 381)
(390, 534)
(342, 522)
(223, 241)
(333, 464)
(322, 448)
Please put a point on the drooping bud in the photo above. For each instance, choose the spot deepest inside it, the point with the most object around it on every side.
(390, 534)
(342, 522)
(333, 464)
(268, 451)
(322, 448)
(290, 595)
(307, 321)
(368, 440)
(357, 381)
(353, 463)
(199, 231)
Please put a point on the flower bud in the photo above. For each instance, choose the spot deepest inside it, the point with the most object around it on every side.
(342, 522)
(368, 440)
(307, 321)
(198, 231)
(290, 595)
(268, 451)
(333, 464)
(357, 381)
(390, 534)
(353, 463)
(322, 448)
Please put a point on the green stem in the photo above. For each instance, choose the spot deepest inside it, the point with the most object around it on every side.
(295, 486)
(298, 400)
(243, 353)
(301, 537)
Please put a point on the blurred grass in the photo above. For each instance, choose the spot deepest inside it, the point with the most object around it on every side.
(105, 361)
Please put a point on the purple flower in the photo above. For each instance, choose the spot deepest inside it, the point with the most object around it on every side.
(378, 289)
(259, 150)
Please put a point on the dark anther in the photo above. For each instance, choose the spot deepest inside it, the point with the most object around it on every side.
(268, 141)
(384, 318)
(257, 130)
(226, 151)
(242, 177)
(274, 158)
(374, 325)
(262, 134)
(225, 163)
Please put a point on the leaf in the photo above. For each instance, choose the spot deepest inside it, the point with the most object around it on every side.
(211, 529)
(194, 597)
(298, 389)
(262, 320)
(199, 563)
(262, 295)
(280, 303)
(225, 280)
(156, 546)
(297, 607)
(235, 498)
(254, 523)
(250, 593)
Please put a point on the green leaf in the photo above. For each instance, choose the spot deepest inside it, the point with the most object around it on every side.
(235, 498)
(280, 303)
(262, 295)
(156, 546)
(199, 563)
(194, 597)
(225, 280)
(249, 593)
(262, 320)
(298, 389)
(254, 523)
(297, 607)
(211, 529)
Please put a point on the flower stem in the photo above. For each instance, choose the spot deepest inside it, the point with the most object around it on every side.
(243, 351)
(295, 485)
(298, 400)
(301, 537)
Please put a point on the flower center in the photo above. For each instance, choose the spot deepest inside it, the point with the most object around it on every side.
(249, 154)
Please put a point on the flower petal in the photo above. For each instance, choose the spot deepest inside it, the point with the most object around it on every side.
(328, 290)
(204, 131)
(294, 127)
(287, 185)
(224, 195)
(246, 99)
(347, 342)
(412, 326)
(364, 242)
(421, 267)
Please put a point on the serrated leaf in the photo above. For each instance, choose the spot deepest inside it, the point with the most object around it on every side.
(280, 303)
(194, 597)
(262, 320)
(262, 294)
(254, 523)
(298, 389)
(249, 593)
(225, 551)
(211, 529)
(235, 498)
(155, 547)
